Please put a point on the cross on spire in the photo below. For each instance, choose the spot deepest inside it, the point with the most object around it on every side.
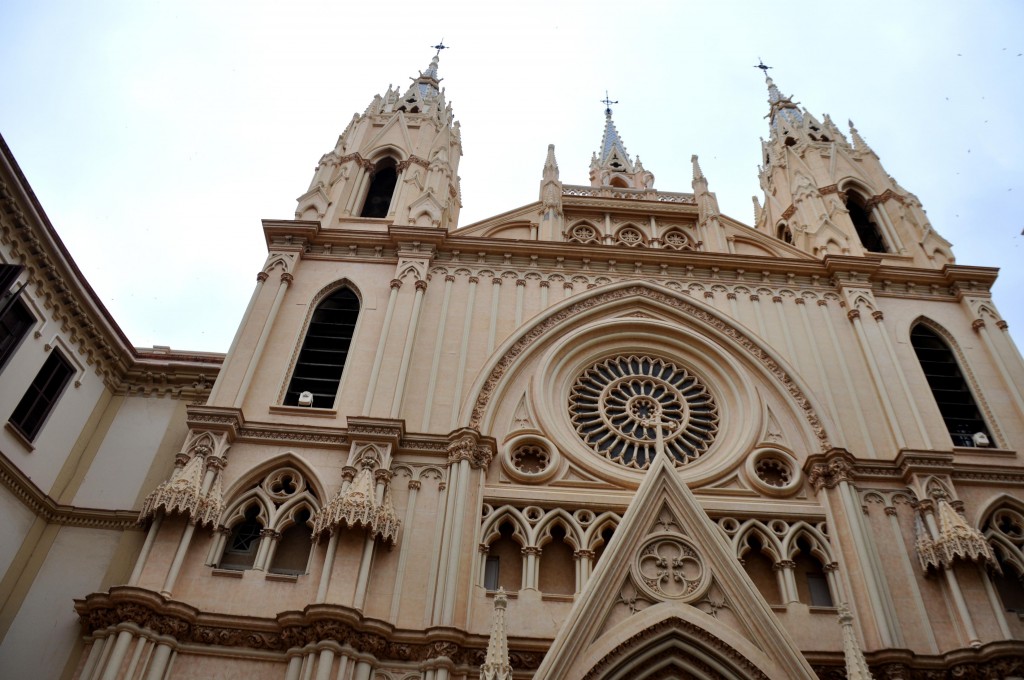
(440, 46)
(761, 65)
(608, 103)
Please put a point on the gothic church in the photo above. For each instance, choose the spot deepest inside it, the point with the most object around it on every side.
(609, 434)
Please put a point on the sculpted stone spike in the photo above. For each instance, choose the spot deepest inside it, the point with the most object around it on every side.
(496, 664)
(856, 665)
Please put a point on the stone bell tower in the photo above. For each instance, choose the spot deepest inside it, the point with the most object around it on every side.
(396, 162)
(827, 194)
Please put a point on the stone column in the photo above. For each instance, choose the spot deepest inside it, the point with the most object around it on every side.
(378, 359)
(268, 325)
(410, 342)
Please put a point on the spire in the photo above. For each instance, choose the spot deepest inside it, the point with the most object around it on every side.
(612, 166)
(611, 143)
(496, 665)
(856, 664)
(698, 174)
(858, 141)
(550, 165)
(781, 105)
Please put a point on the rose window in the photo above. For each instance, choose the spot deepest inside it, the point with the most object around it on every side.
(617, 406)
(631, 237)
(584, 233)
(677, 240)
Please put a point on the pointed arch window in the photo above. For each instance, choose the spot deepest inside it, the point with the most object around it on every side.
(383, 180)
(950, 390)
(867, 231)
(325, 350)
(240, 551)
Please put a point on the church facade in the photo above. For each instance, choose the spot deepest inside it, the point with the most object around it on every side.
(612, 433)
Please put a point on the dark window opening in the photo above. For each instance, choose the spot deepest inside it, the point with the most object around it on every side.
(15, 317)
(382, 188)
(785, 234)
(867, 231)
(557, 569)
(243, 542)
(1009, 585)
(325, 350)
(952, 395)
(291, 556)
(606, 537)
(507, 554)
(761, 570)
(492, 568)
(42, 395)
(790, 141)
(618, 181)
(811, 581)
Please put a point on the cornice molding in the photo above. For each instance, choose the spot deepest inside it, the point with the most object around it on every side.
(1001, 659)
(55, 278)
(317, 623)
(840, 465)
(46, 508)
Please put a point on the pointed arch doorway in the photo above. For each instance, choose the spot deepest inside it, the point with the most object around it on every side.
(674, 649)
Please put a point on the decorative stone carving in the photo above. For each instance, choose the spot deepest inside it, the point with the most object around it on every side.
(183, 493)
(617, 404)
(357, 507)
(956, 540)
(669, 567)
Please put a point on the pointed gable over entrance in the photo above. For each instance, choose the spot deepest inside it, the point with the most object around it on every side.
(669, 599)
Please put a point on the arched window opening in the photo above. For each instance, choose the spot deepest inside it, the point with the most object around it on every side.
(811, 581)
(784, 234)
(867, 231)
(557, 571)
(950, 390)
(606, 537)
(291, 556)
(790, 141)
(504, 565)
(760, 568)
(382, 188)
(1009, 584)
(618, 182)
(244, 542)
(325, 350)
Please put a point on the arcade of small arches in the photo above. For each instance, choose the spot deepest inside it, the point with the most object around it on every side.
(554, 551)
(632, 235)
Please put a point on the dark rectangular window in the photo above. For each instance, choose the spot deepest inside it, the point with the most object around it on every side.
(42, 395)
(15, 322)
(15, 317)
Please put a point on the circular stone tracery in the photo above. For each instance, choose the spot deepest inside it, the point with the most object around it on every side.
(616, 405)
(670, 568)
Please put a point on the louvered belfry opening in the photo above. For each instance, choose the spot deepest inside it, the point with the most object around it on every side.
(953, 396)
(324, 350)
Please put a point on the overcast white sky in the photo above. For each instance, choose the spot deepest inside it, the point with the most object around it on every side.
(158, 134)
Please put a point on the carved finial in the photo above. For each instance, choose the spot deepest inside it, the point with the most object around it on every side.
(496, 664)
(764, 69)
(757, 209)
(550, 165)
(697, 172)
(858, 141)
(440, 46)
(856, 664)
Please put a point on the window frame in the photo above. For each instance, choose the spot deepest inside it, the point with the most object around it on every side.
(50, 390)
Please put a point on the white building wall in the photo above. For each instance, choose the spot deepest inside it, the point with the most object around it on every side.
(46, 626)
(17, 521)
(126, 455)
